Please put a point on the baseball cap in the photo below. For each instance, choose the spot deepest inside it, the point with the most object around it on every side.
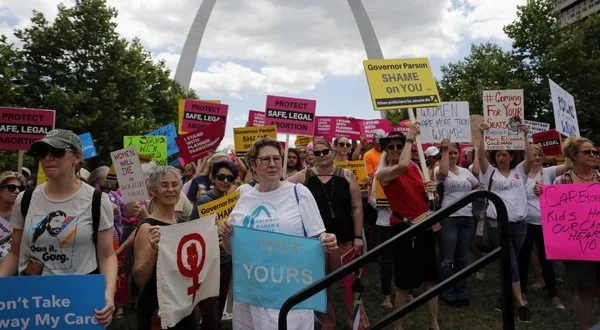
(378, 134)
(431, 151)
(60, 139)
(394, 135)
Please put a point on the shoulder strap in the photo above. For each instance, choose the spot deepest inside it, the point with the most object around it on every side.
(25, 201)
(96, 206)
(489, 187)
(339, 171)
(298, 203)
(308, 174)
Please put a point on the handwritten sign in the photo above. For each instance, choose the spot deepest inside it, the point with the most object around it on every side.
(19, 127)
(198, 114)
(5, 231)
(180, 107)
(244, 137)
(380, 197)
(535, 127)
(549, 141)
(503, 111)
(291, 115)
(221, 207)
(448, 121)
(51, 302)
(401, 83)
(129, 175)
(196, 145)
(269, 267)
(171, 133)
(256, 118)
(332, 127)
(368, 127)
(359, 169)
(571, 220)
(153, 146)
(565, 114)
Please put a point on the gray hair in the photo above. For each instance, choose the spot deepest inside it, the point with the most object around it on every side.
(157, 176)
(149, 168)
(98, 176)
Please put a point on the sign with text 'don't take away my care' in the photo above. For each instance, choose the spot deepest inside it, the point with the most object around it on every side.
(401, 83)
(291, 115)
(19, 128)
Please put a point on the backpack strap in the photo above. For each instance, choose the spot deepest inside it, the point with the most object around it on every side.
(96, 206)
(298, 203)
(25, 201)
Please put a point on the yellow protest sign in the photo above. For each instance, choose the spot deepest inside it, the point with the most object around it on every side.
(303, 141)
(221, 207)
(401, 83)
(41, 175)
(180, 106)
(244, 137)
(380, 198)
(359, 168)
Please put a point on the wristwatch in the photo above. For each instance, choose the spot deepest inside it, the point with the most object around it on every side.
(409, 140)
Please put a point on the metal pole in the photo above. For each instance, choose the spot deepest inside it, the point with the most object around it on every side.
(508, 317)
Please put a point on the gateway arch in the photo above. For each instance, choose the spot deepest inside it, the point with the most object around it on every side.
(187, 59)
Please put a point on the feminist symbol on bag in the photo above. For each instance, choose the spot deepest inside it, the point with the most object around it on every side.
(192, 260)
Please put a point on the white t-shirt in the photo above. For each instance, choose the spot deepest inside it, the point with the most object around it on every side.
(534, 212)
(58, 233)
(457, 186)
(275, 211)
(5, 231)
(383, 213)
(511, 189)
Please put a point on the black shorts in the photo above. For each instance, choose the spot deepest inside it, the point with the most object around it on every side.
(414, 259)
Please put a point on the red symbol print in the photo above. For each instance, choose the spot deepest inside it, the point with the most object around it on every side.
(193, 261)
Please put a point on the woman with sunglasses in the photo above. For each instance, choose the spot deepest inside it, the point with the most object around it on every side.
(11, 184)
(201, 183)
(223, 175)
(293, 162)
(286, 214)
(339, 200)
(343, 149)
(63, 197)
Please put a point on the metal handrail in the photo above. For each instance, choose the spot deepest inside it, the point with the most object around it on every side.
(432, 219)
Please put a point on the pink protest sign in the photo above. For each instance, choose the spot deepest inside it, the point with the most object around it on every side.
(367, 127)
(19, 128)
(333, 127)
(256, 118)
(291, 115)
(571, 221)
(199, 144)
(199, 114)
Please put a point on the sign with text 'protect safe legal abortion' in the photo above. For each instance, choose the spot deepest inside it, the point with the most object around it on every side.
(199, 114)
(19, 128)
(291, 115)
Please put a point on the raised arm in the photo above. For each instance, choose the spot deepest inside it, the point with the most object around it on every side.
(483, 162)
(528, 150)
(444, 166)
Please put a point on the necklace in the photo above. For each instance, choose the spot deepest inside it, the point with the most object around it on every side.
(329, 196)
(584, 179)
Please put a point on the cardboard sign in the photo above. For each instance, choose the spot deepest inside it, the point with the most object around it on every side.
(170, 132)
(504, 112)
(221, 207)
(153, 146)
(87, 145)
(359, 169)
(380, 197)
(570, 217)
(244, 137)
(196, 145)
(535, 127)
(291, 115)
(549, 141)
(180, 107)
(256, 118)
(197, 115)
(332, 127)
(303, 141)
(401, 83)
(450, 120)
(263, 262)
(51, 302)
(132, 180)
(565, 115)
(367, 127)
(476, 121)
(19, 127)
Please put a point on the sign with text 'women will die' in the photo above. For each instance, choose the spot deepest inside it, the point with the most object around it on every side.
(132, 181)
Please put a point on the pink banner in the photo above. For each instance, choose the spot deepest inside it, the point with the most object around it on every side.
(199, 114)
(367, 127)
(571, 221)
(19, 127)
(256, 118)
(291, 115)
(199, 144)
(332, 127)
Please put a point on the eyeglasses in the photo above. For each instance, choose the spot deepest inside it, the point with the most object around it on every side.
(223, 177)
(395, 146)
(13, 187)
(266, 160)
(590, 152)
(42, 151)
(344, 144)
(318, 153)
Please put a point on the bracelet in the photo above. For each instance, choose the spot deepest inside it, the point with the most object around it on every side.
(409, 140)
(358, 237)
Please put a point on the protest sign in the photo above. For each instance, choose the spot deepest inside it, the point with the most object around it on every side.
(359, 169)
(367, 127)
(303, 141)
(402, 126)
(332, 127)
(549, 141)
(153, 146)
(187, 268)
(565, 114)
(221, 207)
(198, 114)
(256, 118)
(132, 181)
(51, 302)
(535, 127)
(244, 137)
(448, 121)
(401, 83)
(170, 132)
(571, 221)
(87, 145)
(380, 198)
(269, 267)
(5, 240)
(291, 115)
(503, 111)
(180, 107)
(19, 127)
(476, 121)
(41, 175)
(195, 145)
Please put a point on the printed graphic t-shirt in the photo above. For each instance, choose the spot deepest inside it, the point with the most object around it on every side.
(511, 189)
(58, 233)
(457, 186)
(5, 231)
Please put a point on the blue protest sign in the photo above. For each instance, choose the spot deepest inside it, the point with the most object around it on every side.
(51, 302)
(171, 133)
(269, 267)
(87, 144)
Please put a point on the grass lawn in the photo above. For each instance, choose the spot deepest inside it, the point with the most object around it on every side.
(479, 315)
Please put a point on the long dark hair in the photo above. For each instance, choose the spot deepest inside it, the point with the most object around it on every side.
(513, 162)
(299, 167)
(45, 223)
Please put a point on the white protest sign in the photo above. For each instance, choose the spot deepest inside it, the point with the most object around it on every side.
(5, 231)
(450, 120)
(504, 111)
(565, 115)
(535, 127)
(132, 181)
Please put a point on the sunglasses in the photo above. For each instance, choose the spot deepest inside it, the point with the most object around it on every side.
(267, 160)
(344, 144)
(395, 146)
(318, 153)
(42, 151)
(13, 187)
(590, 152)
(223, 177)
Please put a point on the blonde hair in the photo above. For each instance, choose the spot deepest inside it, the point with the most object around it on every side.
(537, 148)
(8, 175)
(323, 143)
(572, 145)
